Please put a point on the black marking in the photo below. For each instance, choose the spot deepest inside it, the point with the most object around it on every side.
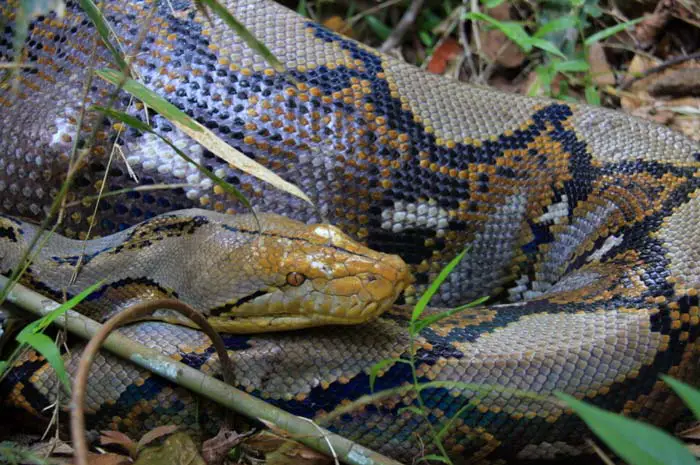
(142, 282)
(9, 233)
(228, 307)
(409, 243)
(291, 238)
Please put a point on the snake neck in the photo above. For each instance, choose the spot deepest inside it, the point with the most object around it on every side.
(246, 273)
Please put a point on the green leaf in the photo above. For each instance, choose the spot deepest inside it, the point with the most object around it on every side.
(47, 347)
(423, 323)
(689, 394)
(547, 47)
(605, 33)
(512, 30)
(434, 458)
(150, 98)
(593, 10)
(381, 365)
(32, 334)
(250, 40)
(592, 95)
(429, 20)
(434, 286)
(43, 322)
(426, 38)
(635, 442)
(573, 66)
(3, 366)
(104, 31)
(413, 409)
(378, 27)
(301, 9)
(560, 24)
(447, 426)
(491, 3)
(141, 126)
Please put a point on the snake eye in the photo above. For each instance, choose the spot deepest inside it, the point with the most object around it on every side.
(295, 279)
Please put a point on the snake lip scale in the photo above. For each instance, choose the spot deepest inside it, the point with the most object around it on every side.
(582, 225)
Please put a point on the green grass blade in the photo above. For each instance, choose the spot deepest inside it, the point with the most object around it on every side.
(378, 27)
(47, 347)
(423, 323)
(689, 394)
(512, 30)
(103, 30)
(635, 442)
(605, 33)
(379, 366)
(547, 47)
(32, 334)
(150, 98)
(257, 46)
(434, 286)
(592, 95)
(413, 409)
(141, 126)
(572, 66)
(43, 322)
(560, 24)
(302, 9)
(203, 136)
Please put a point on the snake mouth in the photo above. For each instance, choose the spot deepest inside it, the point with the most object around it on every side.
(342, 301)
(227, 308)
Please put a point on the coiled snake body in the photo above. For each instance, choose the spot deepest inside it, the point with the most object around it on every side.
(582, 220)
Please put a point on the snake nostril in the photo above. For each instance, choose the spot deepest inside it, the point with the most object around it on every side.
(371, 278)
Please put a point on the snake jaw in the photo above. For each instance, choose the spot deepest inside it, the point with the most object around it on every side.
(336, 280)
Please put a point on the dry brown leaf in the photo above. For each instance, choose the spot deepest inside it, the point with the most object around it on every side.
(107, 459)
(443, 55)
(647, 31)
(216, 449)
(156, 433)
(504, 84)
(120, 439)
(600, 68)
(691, 433)
(338, 24)
(688, 125)
(280, 450)
(677, 83)
(51, 447)
(653, 113)
(638, 66)
(496, 45)
(649, 97)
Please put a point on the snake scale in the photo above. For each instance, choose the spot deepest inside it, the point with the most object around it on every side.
(582, 222)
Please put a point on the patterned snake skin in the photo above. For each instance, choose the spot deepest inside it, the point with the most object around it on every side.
(582, 222)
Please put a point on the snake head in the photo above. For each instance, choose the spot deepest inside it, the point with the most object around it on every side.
(290, 275)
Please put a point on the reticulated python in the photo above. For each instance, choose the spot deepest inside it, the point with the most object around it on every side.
(583, 219)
